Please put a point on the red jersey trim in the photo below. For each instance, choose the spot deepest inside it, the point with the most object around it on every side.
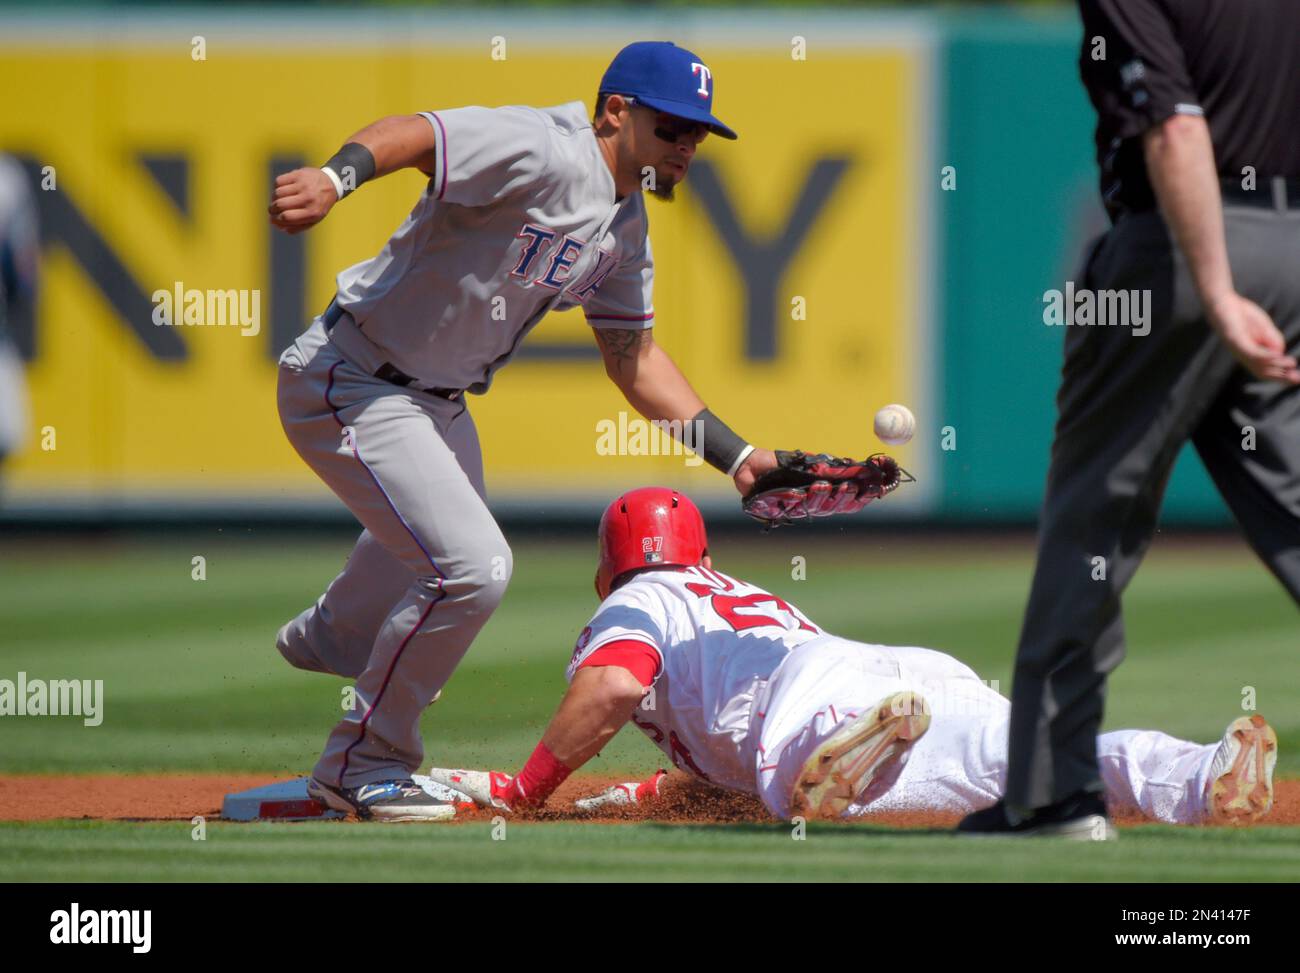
(642, 659)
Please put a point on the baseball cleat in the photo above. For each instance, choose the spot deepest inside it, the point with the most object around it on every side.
(868, 748)
(1240, 789)
(388, 801)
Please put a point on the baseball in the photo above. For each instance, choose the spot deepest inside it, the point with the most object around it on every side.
(895, 425)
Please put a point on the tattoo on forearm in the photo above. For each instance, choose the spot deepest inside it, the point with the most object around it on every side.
(621, 345)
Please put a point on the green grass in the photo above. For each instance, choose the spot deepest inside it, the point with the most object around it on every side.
(192, 680)
(193, 683)
(570, 852)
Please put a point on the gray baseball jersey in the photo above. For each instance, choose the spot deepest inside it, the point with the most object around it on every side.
(518, 218)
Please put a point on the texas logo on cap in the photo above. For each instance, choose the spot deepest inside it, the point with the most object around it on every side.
(667, 77)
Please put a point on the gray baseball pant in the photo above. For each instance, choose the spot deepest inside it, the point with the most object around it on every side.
(425, 575)
(1127, 404)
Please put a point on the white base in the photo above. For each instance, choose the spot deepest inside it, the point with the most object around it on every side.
(288, 801)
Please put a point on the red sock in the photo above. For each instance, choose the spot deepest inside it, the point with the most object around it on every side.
(541, 775)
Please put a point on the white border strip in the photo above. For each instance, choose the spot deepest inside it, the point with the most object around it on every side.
(281, 28)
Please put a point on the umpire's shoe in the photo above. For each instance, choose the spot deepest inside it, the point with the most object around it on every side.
(1080, 817)
(387, 800)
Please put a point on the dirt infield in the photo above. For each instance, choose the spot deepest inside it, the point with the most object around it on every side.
(177, 797)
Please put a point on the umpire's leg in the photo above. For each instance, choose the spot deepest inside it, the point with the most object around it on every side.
(1250, 439)
(1127, 403)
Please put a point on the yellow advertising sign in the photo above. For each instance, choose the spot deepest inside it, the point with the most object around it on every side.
(786, 270)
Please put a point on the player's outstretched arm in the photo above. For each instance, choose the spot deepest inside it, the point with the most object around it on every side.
(600, 700)
(653, 385)
(303, 197)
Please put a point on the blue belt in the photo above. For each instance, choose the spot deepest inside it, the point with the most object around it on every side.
(387, 371)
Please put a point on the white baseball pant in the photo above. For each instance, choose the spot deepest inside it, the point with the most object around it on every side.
(960, 764)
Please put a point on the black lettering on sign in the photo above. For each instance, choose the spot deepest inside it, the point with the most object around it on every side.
(763, 261)
(172, 174)
(63, 224)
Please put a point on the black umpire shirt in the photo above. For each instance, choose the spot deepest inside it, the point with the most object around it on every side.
(1237, 62)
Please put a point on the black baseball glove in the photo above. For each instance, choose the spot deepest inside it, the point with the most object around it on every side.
(807, 485)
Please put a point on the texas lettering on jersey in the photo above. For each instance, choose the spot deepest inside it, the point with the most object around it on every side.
(553, 258)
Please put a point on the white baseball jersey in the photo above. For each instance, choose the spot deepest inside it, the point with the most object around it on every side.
(518, 218)
(718, 641)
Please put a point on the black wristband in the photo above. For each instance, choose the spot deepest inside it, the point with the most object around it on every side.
(353, 164)
(714, 440)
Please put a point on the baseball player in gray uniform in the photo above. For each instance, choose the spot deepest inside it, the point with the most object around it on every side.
(526, 210)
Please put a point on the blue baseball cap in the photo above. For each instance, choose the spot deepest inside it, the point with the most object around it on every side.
(667, 77)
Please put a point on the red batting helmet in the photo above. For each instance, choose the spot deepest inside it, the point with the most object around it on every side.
(648, 527)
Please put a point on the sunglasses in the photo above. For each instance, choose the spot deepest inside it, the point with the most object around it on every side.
(670, 128)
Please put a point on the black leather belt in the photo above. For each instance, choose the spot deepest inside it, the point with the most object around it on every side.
(389, 372)
(1262, 195)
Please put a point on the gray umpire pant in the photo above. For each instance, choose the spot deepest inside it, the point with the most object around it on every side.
(1126, 405)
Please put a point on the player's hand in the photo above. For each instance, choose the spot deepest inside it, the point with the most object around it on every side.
(622, 795)
(756, 464)
(1254, 339)
(301, 199)
(488, 789)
